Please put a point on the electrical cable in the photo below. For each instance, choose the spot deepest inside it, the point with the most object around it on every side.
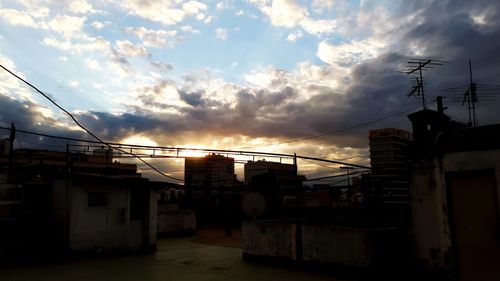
(85, 129)
(334, 132)
(336, 176)
(350, 127)
(234, 152)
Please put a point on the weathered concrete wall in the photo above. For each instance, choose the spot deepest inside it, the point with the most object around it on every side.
(430, 216)
(328, 244)
(275, 240)
(430, 203)
(98, 228)
(172, 220)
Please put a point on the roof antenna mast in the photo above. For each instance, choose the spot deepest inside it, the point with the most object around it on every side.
(470, 95)
(416, 67)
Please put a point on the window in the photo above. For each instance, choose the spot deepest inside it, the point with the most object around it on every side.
(98, 199)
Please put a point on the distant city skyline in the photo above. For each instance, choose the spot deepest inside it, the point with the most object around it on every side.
(250, 74)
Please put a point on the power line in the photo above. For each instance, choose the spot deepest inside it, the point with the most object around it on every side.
(355, 156)
(336, 176)
(234, 152)
(84, 128)
(330, 167)
(348, 128)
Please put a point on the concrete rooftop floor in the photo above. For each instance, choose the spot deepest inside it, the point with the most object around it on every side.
(209, 256)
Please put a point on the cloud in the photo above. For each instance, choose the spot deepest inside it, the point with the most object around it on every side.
(320, 6)
(193, 7)
(15, 17)
(166, 12)
(159, 11)
(221, 6)
(347, 54)
(127, 48)
(83, 44)
(74, 84)
(154, 38)
(319, 26)
(188, 28)
(345, 20)
(67, 26)
(97, 25)
(161, 66)
(193, 99)
(80, 7)
(93, 64)
(221, 33)
(292, 37)
(207, 20)
(284, 13)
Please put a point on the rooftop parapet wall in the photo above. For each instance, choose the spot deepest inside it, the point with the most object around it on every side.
(369, 248)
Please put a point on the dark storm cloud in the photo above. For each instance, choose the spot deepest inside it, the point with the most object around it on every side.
(15, 111)
(193, 99)
(115, 127)
(451, 32)
(26, 116)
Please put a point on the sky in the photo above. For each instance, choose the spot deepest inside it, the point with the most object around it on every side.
(254, 75)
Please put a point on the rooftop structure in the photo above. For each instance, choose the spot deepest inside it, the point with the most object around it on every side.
(253, 168)
(389, 189)
(210, 172)
(75, 202)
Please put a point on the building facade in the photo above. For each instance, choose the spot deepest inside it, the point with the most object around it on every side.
(389, 192)
(62, 202)
(253, 168)
(210, 172)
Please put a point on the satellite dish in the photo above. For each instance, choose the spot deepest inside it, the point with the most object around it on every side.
(254, 204)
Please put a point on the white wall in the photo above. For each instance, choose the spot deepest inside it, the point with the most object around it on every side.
(93, 228)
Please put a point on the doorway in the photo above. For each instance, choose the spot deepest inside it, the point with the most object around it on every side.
(473, 217)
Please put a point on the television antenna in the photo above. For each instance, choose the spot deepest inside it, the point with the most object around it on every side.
(415, 67)
(470, 95)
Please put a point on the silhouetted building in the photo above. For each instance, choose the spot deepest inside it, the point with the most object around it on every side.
(389, 179)
(211, 188)
(427, 124)
(253, 168)
(209, 172)
(61, 201)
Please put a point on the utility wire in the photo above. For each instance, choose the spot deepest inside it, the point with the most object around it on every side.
(347, 128)
(85, 129)
(325, 166)
(336, 176)
(233, 152)
(341, 159)
(350, 127)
